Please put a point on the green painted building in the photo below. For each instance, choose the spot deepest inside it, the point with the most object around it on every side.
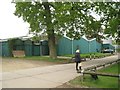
(68, 46)
(65, 46)
(4, 48)
(30, 48)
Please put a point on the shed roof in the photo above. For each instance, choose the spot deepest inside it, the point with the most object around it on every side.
(82, 37)
(3, 40)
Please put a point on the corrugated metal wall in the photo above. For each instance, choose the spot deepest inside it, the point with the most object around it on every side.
(67, 46)
(18, 45)
(44, 48)
(64, 46)
(5, 49)
(82, 44)
(28, 46)
(92, 46)
(98, 47)
(36, 50)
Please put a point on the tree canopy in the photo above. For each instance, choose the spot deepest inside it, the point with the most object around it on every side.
(73, 19)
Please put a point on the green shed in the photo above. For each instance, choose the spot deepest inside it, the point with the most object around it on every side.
(93, 46)
(4, 48)
(64, 46)
(98, 47)
(87, 46)
(68, 46)
(44, 48)
(82, 44)
(35, 50)
(41, 48)
(28, 47)
(18, 44)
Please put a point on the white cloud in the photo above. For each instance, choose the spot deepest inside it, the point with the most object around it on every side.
(11, 25)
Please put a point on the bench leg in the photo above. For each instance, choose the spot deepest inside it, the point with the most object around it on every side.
(94, 76)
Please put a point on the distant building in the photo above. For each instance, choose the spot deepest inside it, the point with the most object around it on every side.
(68, 46)
(30, 47)
(64, 46)
(107, 44)
(107, 41)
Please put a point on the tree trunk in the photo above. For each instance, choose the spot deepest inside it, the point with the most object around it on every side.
(52, 46)
(50, 31)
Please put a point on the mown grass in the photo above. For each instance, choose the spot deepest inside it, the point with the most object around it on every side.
(110, 69)
(87, 55)
(101, 82)
(48, 59)
(58, 60)
(42, 58)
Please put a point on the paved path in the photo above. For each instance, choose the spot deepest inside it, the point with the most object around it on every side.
(46, 77)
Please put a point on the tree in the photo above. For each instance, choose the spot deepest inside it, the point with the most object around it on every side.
(72, 19)
(109, 13)
(110, 19)
(51, 17)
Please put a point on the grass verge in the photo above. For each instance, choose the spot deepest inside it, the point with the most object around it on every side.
(42, 58)
(102, 82)
(58, 60)
(96, 55)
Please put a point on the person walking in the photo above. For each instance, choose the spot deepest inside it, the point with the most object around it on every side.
(77, 59)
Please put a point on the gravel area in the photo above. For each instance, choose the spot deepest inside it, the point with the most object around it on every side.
(17, 64)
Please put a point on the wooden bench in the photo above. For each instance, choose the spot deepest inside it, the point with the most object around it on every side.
(18, 53)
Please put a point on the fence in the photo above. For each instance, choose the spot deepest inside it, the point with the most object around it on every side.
(94, 68)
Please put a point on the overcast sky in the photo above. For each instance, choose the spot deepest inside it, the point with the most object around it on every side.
(11, 26)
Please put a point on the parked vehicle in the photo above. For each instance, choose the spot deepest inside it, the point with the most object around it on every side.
(108, 51)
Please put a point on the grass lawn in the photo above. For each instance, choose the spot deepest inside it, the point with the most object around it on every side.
(42, 58)
(102, 82)
(48, 59)
(97, 55)
(58, 60)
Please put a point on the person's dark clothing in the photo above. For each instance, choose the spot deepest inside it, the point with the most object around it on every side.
(77, 59)
(77, 66)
